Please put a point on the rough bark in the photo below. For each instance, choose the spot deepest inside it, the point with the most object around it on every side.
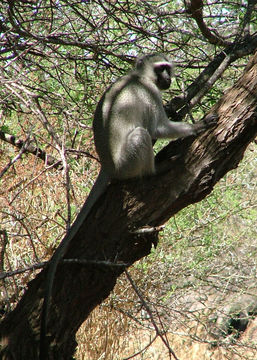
(109, 233)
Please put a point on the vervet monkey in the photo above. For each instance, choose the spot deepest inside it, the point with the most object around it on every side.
(128, 116)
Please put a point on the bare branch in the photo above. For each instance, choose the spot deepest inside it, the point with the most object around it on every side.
(200, 87)
(16, 158)
(37, 266)
(32, 149)
(195, 9)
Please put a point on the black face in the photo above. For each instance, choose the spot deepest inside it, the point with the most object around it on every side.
(163, 72)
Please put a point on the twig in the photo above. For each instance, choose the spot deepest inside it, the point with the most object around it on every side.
(6, 274)
(30, 182)
(3, 243)
(148, 310)
(67, 186)
(95, 262)
(142, 350)
(82, 152)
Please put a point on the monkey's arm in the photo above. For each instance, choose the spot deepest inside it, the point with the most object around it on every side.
(171, 129)
(165, 160)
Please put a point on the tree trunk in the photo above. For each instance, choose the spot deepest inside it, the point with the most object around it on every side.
(111, 233)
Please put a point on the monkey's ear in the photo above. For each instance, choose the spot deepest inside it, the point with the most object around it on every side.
(139, 62)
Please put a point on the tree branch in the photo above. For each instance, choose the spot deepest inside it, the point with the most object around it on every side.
(16, 158)
(195, 9)
(200, 87)
(32, 149)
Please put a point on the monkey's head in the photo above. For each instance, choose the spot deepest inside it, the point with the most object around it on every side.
(156, 67)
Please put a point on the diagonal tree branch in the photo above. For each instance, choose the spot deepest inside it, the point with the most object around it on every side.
(32, 149)
(181, 105)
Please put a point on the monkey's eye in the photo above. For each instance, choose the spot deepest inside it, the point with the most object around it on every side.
(162, 68)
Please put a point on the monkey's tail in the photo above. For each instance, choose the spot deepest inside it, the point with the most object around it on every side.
(97, 190)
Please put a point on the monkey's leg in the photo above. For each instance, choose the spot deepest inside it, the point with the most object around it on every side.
(137, 155)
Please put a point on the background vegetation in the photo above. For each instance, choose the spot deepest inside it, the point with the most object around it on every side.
(199, 286)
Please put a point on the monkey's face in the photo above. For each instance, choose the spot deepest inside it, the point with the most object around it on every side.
(163, 73)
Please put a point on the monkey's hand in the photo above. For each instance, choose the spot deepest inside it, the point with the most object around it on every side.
(208, 122)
